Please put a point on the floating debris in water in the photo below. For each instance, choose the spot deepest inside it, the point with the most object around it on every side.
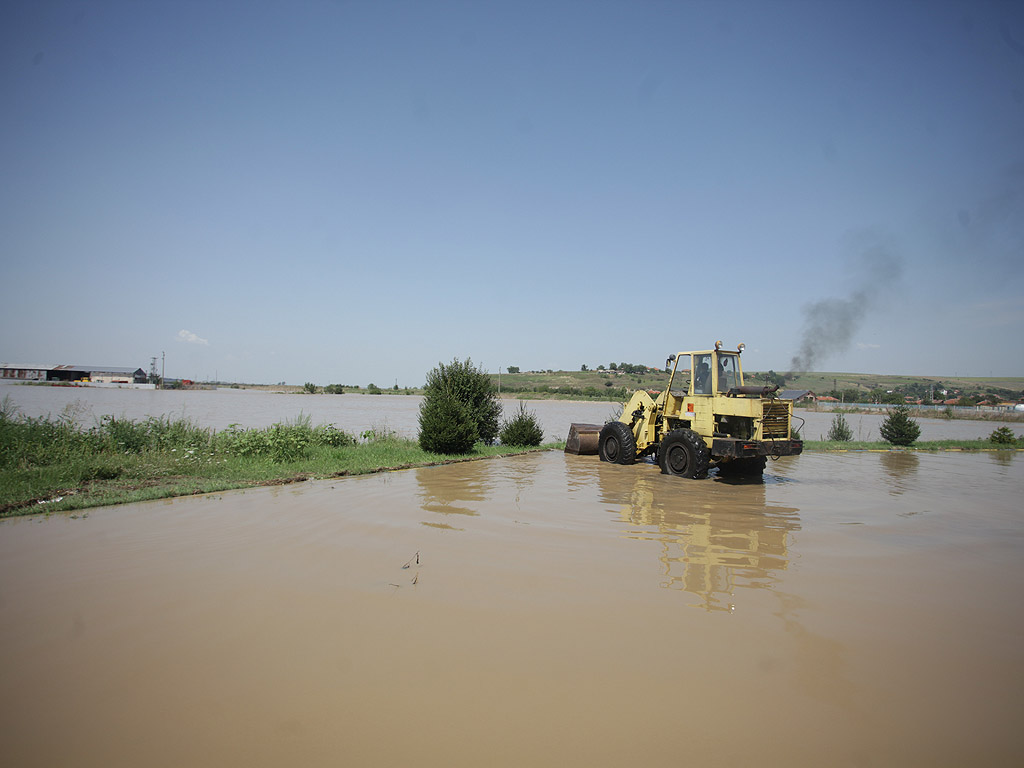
(415, 558)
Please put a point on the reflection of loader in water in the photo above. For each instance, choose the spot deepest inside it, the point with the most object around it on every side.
(711, 544)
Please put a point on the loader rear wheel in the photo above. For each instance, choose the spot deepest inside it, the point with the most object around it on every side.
(617, 443)
(683, 453)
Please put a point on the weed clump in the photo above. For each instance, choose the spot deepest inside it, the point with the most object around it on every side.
(522, 430)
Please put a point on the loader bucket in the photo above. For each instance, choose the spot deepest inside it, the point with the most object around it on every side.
(583, 439)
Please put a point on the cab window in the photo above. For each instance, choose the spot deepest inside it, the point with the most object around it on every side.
(702, 374)
(728, 373)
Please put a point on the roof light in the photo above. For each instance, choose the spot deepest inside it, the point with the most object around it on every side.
(740, 348)
(718, 345)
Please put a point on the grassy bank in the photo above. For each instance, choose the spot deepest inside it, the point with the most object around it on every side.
(924, 445)
(54, 465)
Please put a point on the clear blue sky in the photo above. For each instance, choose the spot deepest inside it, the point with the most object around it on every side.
(352, 192)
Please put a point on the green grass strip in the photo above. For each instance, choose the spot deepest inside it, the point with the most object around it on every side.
(92, 481)
(54, 465)
(922, 445)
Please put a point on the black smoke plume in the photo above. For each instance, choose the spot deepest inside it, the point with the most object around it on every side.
(830, 324)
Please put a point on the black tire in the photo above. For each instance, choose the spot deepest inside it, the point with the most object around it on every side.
(749, 467)
(616, 443)
(683, 453)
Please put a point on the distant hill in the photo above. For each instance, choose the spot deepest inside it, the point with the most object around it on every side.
(610, 385)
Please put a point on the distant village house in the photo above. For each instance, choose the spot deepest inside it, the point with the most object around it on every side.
(92, 373)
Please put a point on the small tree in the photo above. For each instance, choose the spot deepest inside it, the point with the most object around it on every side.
(1003, 436)
(523, 429)
(471, 387)
(446, 424)
(840, 431)
(898, 428)
(309, 387)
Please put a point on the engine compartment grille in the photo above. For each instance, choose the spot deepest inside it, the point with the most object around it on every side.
(776, 420)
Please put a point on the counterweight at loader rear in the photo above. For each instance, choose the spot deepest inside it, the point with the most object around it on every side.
(706, 417)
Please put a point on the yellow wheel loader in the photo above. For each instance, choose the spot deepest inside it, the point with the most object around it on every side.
(706, 417)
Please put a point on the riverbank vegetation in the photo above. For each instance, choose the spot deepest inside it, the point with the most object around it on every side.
(54, 464)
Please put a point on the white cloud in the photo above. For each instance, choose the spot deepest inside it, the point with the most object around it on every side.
(191, 338)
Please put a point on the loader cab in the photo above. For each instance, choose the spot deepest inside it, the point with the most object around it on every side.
(715, 371)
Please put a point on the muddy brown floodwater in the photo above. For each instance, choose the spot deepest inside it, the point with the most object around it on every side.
(853, 609)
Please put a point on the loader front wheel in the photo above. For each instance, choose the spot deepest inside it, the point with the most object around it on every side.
(616, 443)
(683, 453)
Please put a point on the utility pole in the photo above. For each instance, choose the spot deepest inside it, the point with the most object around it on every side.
(163, 368)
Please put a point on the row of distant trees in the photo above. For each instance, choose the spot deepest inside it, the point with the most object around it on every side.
(620, 367)
(927, 392)
(902, 394)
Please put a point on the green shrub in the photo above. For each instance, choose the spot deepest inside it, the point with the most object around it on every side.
(840, 431)
(39, 442)
(898, 428)
(523, 429)
(309, 387)
(446, 424)
(1003, 436)
(282, 442)
(380, 433)
(331, 436)
(123, 435)
(472, 388)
